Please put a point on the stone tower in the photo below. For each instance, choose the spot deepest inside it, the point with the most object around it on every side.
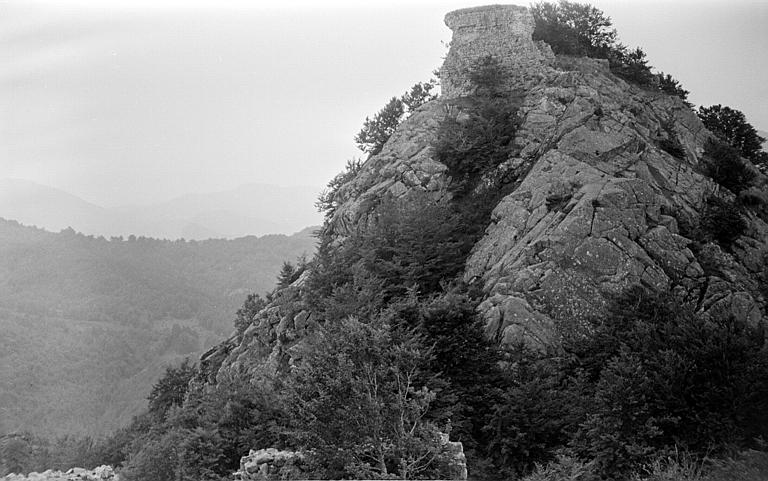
(501, 31)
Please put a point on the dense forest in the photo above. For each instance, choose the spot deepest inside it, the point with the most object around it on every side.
(93, 321)
(364, 356)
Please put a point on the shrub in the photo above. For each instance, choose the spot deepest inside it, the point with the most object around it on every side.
(472, 147)
(671, 144)
(722, 221)
(724, 165)
(476, 145)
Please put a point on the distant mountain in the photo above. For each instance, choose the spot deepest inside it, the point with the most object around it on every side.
(51, 208)
(88, 324)
(254, 209)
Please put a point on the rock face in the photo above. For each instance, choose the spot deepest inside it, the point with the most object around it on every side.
(101, 473)
(600, 203)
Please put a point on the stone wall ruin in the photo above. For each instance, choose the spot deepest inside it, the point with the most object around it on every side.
(501, 31)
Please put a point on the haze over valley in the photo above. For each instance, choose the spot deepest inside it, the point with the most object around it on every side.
(252, 209)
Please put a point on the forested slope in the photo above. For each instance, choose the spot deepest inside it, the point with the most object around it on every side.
(88, 323)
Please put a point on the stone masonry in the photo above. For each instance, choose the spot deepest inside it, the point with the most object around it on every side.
(501, 31)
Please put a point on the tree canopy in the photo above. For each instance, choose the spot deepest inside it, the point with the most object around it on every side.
(731, 125)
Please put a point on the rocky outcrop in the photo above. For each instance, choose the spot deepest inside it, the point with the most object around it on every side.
(270, 463)
(600, 203)
(101, 473)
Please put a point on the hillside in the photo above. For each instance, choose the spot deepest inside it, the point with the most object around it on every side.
(552, 270)
(94, 321)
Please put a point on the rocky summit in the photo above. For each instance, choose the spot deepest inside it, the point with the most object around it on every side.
(552, 269)
(597, 205)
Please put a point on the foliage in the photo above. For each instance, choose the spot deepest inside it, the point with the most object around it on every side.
(476, 145)
(671, 144)
(356, 401)
(664, 376)
(732, 127)
(464, 360)
(564, 468)
(722, 221)
(331, 198)
(251, 306)
(206, 436)
(723, 163)
(171, 389)
(409, 243)
(670, 85)
(377, 130)
(580, 29)
(647, 378)
(541, 409)
(473, 147)
(487, 77)
(574, 28)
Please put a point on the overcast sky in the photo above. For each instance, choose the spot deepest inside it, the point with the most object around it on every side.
(138, 101)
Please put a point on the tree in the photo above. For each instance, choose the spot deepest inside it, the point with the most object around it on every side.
(288, 274)
(15, 454)
(419, 94)
(731, 125)
(356, 401)
(171, 389)
(724, 164)
(377, 130)
(665, 376)
(671, 86)
(574, 28)
(252, 305)
(331, 198)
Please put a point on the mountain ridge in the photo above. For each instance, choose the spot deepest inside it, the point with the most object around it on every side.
(249, 209)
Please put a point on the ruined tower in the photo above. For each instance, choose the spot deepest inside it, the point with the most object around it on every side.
(500, 31)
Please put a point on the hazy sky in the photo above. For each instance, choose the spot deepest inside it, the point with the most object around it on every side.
(136, 101)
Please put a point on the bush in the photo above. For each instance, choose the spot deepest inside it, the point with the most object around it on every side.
(724, 165)
(722, 222)
(473, 147)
